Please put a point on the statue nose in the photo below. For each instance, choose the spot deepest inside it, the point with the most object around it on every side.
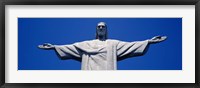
(101, 29)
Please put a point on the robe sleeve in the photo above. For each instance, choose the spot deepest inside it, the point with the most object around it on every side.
(130, 49)
(68, 51)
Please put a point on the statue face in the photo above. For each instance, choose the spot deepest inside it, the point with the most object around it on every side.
(101, 29)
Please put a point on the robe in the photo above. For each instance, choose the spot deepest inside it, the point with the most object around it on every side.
(101, 55)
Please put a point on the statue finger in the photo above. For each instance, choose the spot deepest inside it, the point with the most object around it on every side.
(164, 37)
(41, 46)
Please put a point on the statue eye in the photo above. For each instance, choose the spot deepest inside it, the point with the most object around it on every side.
(101, 26)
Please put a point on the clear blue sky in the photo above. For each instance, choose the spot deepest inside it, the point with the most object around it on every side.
(32, 32)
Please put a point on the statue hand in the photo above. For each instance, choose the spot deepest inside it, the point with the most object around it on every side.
(46, 46)
(157, 39)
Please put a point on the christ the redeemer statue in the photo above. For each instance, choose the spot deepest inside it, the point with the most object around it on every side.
(102, 53)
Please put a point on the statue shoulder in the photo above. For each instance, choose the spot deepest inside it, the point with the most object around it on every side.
(113, 40)
(83, 42)
(89, 41)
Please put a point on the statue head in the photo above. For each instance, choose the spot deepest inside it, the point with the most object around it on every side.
(101, 31)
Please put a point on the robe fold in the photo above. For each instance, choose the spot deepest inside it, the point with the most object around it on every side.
(101, 55)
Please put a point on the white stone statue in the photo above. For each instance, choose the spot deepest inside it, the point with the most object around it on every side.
(102, 53)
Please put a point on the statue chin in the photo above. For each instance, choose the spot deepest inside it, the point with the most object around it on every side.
(101, 34)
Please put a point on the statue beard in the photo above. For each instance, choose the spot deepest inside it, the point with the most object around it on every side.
(101, 36)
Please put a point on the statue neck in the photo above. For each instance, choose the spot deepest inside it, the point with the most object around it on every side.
(101, 38)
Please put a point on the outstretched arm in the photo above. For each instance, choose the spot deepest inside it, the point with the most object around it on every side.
(63, 51)
(138, 48)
